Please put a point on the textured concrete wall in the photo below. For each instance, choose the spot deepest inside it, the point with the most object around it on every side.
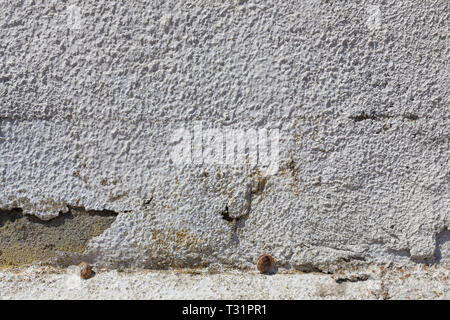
(93, 95)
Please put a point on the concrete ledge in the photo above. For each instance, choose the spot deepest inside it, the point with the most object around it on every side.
(372, 283)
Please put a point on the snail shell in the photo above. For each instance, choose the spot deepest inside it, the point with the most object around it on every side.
(264, 263)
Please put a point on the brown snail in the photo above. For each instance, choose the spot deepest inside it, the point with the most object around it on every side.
(264, 263)
(85, 270)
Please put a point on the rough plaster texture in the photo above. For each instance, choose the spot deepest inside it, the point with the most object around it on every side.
(91, 93)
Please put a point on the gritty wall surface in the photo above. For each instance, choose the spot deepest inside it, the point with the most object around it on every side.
(93, 92)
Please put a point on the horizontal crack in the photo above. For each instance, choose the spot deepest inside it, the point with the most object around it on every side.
(352, 278)
(369, 116)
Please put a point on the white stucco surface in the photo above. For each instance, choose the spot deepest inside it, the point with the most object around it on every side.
(93, 92)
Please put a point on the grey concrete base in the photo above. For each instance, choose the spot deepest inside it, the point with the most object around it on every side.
(372, 283)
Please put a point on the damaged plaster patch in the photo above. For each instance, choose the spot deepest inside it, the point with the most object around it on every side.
(25, 239)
